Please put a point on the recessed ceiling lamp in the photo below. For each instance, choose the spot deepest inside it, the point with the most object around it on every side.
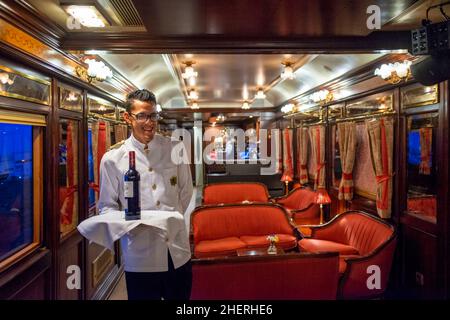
(193, 95)
(87, 15)
(245, 105)
(260, 94)
(288, 71)
(189, 71)
(194, 106)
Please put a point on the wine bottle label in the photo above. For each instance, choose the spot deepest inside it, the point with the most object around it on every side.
(128, 189)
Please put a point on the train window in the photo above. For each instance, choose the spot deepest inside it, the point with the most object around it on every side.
(70, 99)
(68, 175)
(21, 174)
(421, 168)
(24, 85)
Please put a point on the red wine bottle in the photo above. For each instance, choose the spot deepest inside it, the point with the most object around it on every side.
(131, 192)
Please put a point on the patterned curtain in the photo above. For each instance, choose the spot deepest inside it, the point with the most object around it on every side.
(347, 148)
(288, 163)
(426, 136)
(278, 153)
(381, 138)
(120, 132)
(302, 154)
(108, 135)
(317, 135)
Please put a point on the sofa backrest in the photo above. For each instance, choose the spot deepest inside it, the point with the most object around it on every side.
(362, 231)
(235, 192)
(216, 222)
(299, 198)
(295, 276)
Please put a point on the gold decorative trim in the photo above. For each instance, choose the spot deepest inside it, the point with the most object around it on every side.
(15, 117)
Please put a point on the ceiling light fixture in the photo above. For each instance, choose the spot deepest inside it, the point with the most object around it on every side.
(288, 71)
(245, 105)
(220, 118)
(193, 95)
(395, 72)
(87, 15)
(290, 107)
(260, 94)
(158, 108)
(97, 70)
(194, 106)
(189, 71)
(322, 96)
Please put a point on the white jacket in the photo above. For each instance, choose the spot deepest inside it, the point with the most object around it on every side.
(164, 186)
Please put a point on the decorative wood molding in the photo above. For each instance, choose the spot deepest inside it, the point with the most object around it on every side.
(22, 15)
(144, 43)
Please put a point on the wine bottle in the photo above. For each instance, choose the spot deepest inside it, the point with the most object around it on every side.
(131, 192)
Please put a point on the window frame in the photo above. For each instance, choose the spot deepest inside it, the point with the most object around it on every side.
(38, 123)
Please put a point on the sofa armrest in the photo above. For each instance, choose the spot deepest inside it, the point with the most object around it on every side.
(367, 276)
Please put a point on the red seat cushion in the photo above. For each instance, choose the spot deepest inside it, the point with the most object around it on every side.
(219, 247)
(315, 245)
(286, 241)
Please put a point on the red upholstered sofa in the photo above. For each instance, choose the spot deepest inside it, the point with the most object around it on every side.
(365, 243)
(301, 206)
(290, 276)
(221, 230)
(235, 192)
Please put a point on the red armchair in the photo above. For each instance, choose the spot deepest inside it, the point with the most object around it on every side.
(300, 203)
(234, 192)
(366, 246)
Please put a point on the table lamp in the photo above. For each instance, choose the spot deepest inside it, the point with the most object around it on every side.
(322, 198)
(286, 178)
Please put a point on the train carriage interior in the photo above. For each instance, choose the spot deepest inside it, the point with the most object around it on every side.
(316, 134)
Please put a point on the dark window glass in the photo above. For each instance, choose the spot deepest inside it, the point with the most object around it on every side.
(421, 169)
(16, 188)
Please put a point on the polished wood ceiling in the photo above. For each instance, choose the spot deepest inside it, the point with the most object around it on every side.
(263, 18)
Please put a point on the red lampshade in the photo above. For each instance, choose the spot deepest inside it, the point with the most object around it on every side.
(286, 177)
(322, 196)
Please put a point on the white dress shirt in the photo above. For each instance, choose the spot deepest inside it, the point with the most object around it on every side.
(164, 186)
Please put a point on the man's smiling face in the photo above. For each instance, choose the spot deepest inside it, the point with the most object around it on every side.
(143, 131)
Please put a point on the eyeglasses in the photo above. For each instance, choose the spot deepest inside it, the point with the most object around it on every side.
(144, 117)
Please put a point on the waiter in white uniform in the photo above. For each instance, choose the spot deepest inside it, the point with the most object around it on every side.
(155, 268)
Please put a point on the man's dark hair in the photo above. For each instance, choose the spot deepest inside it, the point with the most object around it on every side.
(141, 95)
